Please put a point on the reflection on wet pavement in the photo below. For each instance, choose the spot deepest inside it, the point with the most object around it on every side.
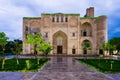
(67, 68)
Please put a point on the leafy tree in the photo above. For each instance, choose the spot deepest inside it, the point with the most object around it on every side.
(45, 48)
(108, 47)
(86, 46)
(3, 42)
(8, 46)
(36, 40)
(17, 48)
(116, 42)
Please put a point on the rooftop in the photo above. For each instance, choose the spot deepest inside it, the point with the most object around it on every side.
(76, 14)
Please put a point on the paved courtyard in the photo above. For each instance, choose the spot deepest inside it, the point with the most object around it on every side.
(61, 68)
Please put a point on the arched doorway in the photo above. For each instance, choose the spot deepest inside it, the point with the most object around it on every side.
(86, 46)
(86, 29)
(60, 43)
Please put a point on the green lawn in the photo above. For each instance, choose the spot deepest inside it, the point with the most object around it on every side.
(10, 65)
(103, 65)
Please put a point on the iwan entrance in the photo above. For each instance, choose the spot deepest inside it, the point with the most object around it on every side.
(60, 43)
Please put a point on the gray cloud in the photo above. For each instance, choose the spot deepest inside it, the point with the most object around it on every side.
(12, 11)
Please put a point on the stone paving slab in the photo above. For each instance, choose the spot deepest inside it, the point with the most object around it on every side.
(115, 76)
(16, 75)
(70, 76)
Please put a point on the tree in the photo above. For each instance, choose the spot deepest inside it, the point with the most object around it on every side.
(116, 42)
(8, 46)
(106, 46)
(35, 40)
(86, 46)
(3, 42)
(45, 48)
(17, 48)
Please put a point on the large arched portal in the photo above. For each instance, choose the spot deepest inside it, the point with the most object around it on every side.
(60, 43)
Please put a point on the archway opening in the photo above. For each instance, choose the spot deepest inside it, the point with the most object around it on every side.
(60, 43)
(86, 29)
(86, 46)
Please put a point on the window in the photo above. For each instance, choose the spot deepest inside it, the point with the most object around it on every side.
(66, 19)
(73, 34)
(46, 35)
(73, 50)
(53, 19)
(62, 18)
(57, 18)
(85, 33)
(26, 28)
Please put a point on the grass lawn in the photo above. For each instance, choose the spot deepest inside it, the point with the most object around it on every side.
(10, 65)
(103, 65)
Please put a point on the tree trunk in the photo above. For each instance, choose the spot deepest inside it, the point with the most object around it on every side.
(3, 63)
(38, 61)
(36, 57)
(35, 53)
(46, 54)
(17, 59)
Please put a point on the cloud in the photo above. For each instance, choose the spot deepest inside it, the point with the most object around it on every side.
(12, 12)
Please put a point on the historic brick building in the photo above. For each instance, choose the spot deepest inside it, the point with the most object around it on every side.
(67, 32)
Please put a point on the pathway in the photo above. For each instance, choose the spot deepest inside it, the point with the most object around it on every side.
(67, 68)
(61, 68)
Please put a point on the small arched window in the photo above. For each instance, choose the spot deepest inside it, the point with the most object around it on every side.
(73, 34)
(53, 19)
(66, 19)
(62, 18)
(84, 32)
(57, 18)
(26, 28)
(46, 34)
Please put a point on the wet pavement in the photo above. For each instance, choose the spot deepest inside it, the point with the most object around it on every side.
(61, 68)
(67, 68)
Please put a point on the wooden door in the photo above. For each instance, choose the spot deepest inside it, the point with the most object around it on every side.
(100, 51)
(85, 51)
(59, 49)
(73, 51)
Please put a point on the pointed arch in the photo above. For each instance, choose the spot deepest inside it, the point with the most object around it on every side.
(59, 42)
(86, 29)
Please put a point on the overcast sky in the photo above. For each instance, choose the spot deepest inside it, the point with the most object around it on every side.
(13, 11)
